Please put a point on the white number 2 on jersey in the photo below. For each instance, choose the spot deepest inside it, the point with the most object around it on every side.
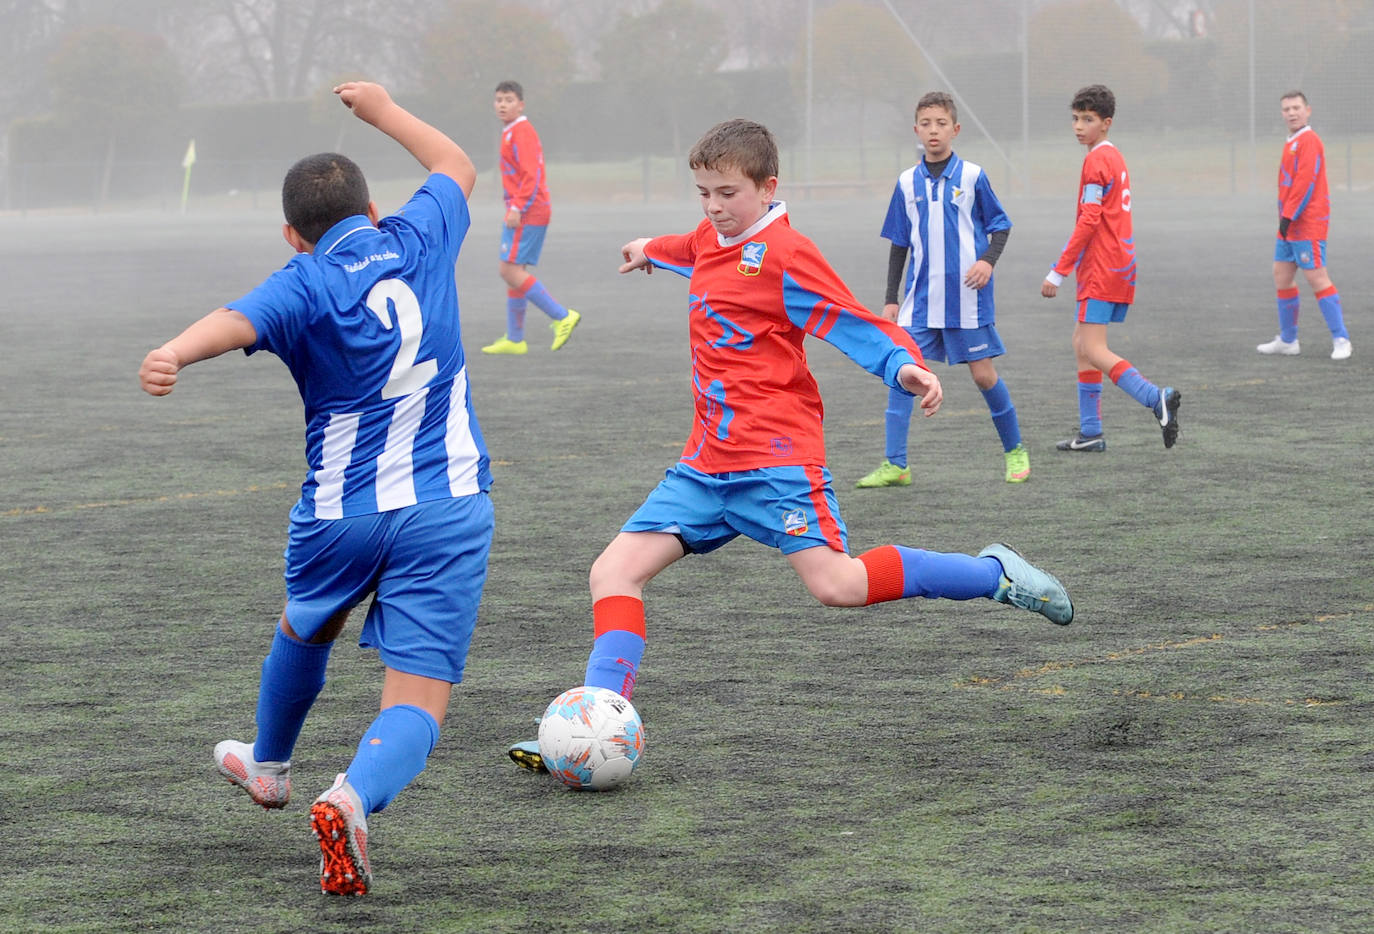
(406, 375)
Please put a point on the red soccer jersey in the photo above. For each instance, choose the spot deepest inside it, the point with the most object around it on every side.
(522, 172)
(1102, 247)
(1303, 197)
(753, 299)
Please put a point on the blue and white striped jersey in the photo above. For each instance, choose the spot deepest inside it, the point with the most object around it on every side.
(945, 221)
(368, 325)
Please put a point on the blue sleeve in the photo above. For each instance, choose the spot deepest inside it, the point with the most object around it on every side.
(897, 223)
(814, 303)
(278, 309)
(439, 213)
(683, 271)
(990, 210)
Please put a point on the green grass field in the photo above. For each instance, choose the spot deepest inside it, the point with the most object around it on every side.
(1192, 754)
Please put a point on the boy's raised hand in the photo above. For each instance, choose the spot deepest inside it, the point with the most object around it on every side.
(365, 99)
(921, 382)
(633, 254)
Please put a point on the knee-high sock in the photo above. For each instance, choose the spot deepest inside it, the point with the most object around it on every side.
(998, 398)
(534, 290)
(897, 425)
(1090, 402)
(292, 677)
(391, 753)
(896, 572)
(1288, 314)
(1136, 386)
(1329, 303)
(515, 316)
(618, 624)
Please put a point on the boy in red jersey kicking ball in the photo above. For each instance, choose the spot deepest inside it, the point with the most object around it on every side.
(755, 461)
(1102, 249)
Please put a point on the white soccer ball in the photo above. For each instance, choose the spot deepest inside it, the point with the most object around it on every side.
(591, 738)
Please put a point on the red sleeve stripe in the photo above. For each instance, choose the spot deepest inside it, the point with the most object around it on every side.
(823, 318)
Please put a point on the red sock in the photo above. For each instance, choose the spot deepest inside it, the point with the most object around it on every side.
(885, 576)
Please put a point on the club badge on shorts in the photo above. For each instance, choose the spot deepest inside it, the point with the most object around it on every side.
(794, 522)
(751, 258)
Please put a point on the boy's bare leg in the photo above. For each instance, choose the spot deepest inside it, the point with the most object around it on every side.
(832, 577)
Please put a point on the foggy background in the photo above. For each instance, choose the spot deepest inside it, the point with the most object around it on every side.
(100, 99)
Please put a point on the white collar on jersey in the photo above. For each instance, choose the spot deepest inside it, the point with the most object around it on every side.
(1100, 143)
(1296, 133)
(775, 210)
(365, 225)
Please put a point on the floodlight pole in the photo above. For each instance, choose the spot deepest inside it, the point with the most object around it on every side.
(810, 47)
(1025, 97)
(1252, 94)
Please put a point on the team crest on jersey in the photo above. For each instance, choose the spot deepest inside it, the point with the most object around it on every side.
(794, 522)
(751, 258)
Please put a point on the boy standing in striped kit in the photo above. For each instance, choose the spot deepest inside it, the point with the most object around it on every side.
(944, 212)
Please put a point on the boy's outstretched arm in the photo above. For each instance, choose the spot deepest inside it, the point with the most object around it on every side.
(221, 331)
(431, 147)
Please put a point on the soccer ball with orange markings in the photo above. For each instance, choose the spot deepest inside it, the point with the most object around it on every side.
(591, 738)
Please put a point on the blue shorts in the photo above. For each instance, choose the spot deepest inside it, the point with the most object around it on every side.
(1097, 311)
(790, 508)
(957, 345)
(425, 566)
(522, 245)
(1308, 254)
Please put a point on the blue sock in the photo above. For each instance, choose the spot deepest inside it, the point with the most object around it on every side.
(292, 677)
(614, 662)
(391, 753)
(1288, 315)
(1329, 303)
(544, 301)
(1003, 412)
(935, 574)
(897, 424)
(1136, 386)
(515, 318)
(1090, 403)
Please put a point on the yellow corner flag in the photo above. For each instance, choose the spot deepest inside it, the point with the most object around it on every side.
(187, 161)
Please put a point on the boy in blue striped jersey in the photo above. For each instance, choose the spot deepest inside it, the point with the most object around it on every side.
(394, 506)
(944, 212)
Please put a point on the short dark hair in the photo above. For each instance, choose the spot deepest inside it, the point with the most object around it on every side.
(737, 144)
(321, 190)
(510, 87)
(938, 99)
(1095, 97)
(1289, 95)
